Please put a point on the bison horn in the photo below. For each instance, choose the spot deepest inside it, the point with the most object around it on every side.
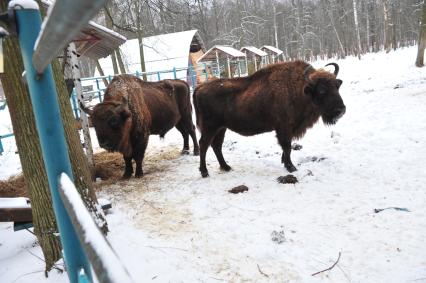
(86, 109)
(336, 68)
(306, 73)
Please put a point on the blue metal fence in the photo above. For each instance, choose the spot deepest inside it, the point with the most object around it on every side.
(192, 75)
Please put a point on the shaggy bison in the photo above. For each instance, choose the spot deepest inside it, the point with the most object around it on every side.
(287, 98)
(133, 109)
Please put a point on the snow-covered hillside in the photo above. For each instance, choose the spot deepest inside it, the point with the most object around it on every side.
(174, 226)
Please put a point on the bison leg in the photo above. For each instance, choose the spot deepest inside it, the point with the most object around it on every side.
(205, 141)
(217, 147)
(285, 143)
(185, 128)
(194, 140)
(180, 127)
(138, 157)
(128, 171)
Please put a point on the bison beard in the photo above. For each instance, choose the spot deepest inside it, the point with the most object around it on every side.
(134, 109)
(287, 98)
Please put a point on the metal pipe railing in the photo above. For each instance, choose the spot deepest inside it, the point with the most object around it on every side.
(105, 262)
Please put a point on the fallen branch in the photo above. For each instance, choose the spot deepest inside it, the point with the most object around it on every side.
(331, 267)
(377, 210)
(261, 272)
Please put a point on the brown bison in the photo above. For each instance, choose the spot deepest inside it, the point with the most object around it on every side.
(133, 109)
(287, 98)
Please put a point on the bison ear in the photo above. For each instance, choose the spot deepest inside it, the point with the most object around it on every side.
(339, 83)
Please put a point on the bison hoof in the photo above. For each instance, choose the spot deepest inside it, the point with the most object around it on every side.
(126, 176)
(226, 168)
(139, 175)
(204, 174)
(290, 168)
(184, 152)
(196, 152)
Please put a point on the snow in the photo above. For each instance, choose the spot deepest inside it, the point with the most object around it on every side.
(23, 4)
(254, 50)
(174, 226)
(18, 202)
(92, 235)
(9, 161)
(273, 49)
(107, 30)
(162, 53)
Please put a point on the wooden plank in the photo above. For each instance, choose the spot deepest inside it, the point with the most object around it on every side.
(16, 214)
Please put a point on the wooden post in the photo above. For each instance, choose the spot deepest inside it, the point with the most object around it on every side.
(229, 66)
(79, 90)
(255, 62)
(246, 62)
(218, 66)
(205, 72)
(99, 92)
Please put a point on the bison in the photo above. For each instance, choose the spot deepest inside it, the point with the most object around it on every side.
(134, 109)
(287, 98)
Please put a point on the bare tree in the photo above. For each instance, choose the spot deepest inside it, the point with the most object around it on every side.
(422, 39)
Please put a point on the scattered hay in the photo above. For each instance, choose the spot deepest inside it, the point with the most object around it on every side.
(109, 169)
(14, 187)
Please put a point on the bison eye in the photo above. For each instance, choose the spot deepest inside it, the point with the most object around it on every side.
(322, 92)
(113, 122)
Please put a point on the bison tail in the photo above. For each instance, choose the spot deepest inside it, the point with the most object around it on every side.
(197, 110)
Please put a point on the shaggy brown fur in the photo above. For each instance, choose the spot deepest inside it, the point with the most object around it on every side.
(287, 98)
(134, 109)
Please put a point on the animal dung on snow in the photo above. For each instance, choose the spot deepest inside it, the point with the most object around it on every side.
(238, 189)
(288, 179)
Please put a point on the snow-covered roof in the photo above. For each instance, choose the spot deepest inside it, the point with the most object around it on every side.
(254, 50)
(161, 52)
(272, 48)
(95, 41)
(210, 55)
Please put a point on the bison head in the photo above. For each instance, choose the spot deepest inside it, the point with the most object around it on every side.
(112, 121)
(323, 88)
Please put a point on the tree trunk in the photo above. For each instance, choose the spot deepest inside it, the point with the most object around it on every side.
(342, 50)
(386, 31)
(367, 28)
(29, 148)
(80, 166)
(108, 23)
(358, 38)
(140, 36)
(422, 39)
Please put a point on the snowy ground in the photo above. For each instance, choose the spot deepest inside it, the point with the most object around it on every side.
(174, 226)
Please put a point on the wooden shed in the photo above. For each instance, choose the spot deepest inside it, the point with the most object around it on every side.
(255, 58)
(273, 53)
(229, 61)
